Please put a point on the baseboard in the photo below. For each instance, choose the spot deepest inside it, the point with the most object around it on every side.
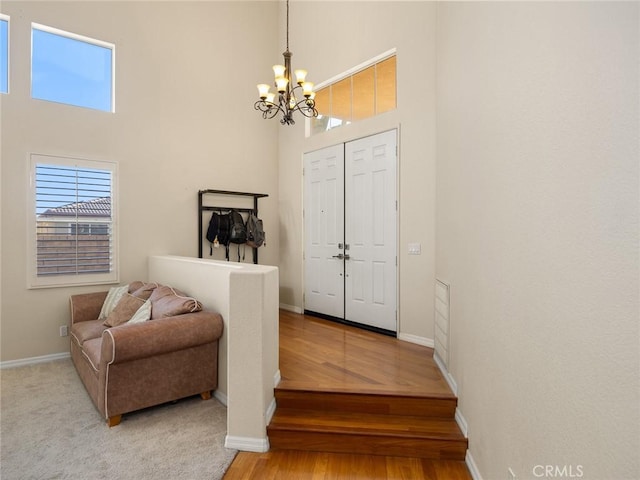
(276, 378)
(247, 444)
(271, 409)
(471, 465)
(462, 423)
(290, 308)
(221, 397)
(447, 376)
(34, 360)
(425, 342)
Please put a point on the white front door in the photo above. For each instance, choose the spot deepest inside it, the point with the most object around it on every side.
(350, 231)
(370, 231)
(324, 231)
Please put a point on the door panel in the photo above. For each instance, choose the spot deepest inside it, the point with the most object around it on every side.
(370, 231)
(324, 231)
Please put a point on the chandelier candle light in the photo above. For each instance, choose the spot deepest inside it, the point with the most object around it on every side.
(287, 103)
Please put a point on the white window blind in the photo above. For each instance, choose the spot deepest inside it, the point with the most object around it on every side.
(74, 221)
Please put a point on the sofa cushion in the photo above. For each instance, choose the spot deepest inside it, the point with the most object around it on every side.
(127, 306)
(168, 302)
(83, 331)
(113, 297)
(91, 350)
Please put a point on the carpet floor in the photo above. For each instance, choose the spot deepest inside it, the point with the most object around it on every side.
(50, 429)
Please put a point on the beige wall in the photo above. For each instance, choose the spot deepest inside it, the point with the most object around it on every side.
(184, 121)
(537, 231)
(341, 36)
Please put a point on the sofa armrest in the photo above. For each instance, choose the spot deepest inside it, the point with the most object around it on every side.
(86, 306)
(140, 340)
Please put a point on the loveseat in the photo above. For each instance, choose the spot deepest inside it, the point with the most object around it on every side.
(143, 344)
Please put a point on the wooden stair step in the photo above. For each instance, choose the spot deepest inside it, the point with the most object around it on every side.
(401, 425)
(372, 434)
(359, 402)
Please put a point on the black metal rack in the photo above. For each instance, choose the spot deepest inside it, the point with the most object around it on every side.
(204, 208)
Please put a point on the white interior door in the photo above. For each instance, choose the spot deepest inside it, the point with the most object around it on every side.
(350, 231)
(324, 231)
(370, 231)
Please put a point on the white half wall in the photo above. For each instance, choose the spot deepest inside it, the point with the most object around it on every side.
(246, 296)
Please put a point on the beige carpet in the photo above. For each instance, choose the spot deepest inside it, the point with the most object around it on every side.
(49, 429)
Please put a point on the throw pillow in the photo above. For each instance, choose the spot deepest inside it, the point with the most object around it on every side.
(127, 306)
(142, 314)
(168, 302)
(113, 297)
(145, 290)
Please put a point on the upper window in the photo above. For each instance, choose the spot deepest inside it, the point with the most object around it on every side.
(73, 230)
(4, 53)
(370, 90)
(72, 69)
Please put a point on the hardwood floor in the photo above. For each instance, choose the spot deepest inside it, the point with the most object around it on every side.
(353, 404)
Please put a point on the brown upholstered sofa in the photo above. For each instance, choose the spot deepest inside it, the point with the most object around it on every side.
(128, 365)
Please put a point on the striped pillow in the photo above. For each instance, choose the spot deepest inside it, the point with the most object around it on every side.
(142, 314)
(113, 297)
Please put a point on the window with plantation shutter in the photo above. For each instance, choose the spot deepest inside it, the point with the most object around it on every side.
(73, 225)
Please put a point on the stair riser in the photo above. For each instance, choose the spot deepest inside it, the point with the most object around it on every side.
(368, 444)
(379, 404)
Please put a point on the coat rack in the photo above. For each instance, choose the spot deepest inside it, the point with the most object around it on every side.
(204, 208)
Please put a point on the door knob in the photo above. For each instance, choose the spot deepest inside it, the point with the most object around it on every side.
(340, 256)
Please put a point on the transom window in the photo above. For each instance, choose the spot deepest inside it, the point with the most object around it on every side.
(73, 229)
(71, 69)
(370, 90)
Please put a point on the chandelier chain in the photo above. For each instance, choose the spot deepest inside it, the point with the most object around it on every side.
(287, 25)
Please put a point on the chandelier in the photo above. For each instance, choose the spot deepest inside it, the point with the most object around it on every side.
(287, 103)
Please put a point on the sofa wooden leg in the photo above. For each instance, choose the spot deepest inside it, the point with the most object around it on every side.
(113, 421)
(206, 395)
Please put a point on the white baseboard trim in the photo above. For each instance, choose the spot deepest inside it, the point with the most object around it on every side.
(462, 423)
(247, 444)
(276, 378)
(221, 397)
(271, 409)
(471, 465)
(425, 342)
(34, 360)
(447, 376)
(291, 308)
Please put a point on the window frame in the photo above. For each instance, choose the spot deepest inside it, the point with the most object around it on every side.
(79, 38)
(7, 18)
(49, 281)
(373, 62)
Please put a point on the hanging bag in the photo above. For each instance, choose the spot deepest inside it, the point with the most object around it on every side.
(255, 231)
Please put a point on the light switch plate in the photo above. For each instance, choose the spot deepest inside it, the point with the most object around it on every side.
(415, 249)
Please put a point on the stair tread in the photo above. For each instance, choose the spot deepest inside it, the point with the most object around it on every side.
(361, 391)
(365, 424)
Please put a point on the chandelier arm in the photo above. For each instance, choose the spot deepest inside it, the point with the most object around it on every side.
(306, 109)
(269, 110)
